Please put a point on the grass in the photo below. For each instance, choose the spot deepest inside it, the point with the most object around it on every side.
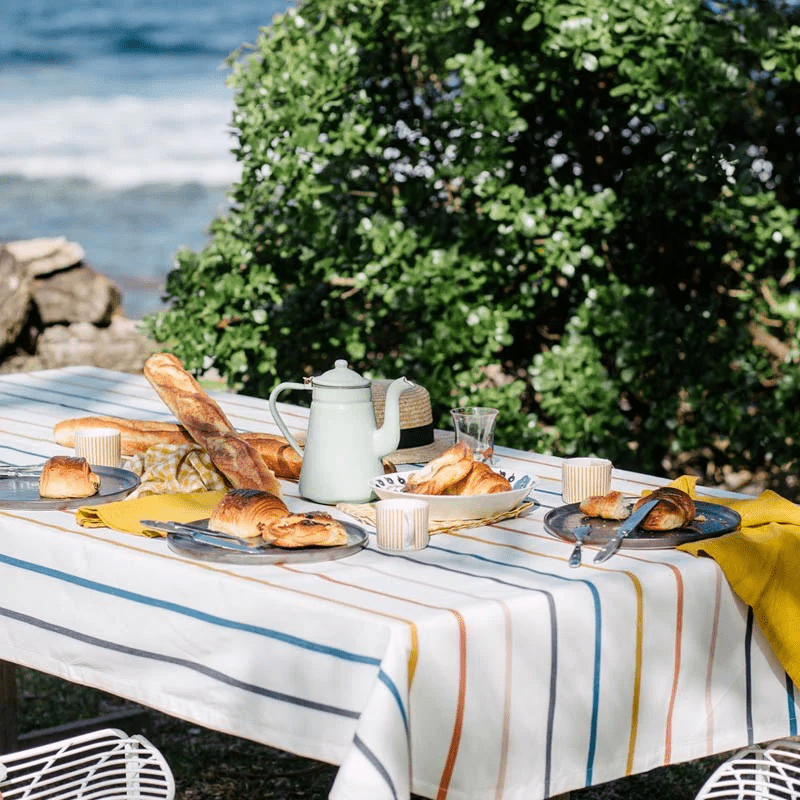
(214, 766)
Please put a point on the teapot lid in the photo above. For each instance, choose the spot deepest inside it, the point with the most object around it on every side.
(341, 377)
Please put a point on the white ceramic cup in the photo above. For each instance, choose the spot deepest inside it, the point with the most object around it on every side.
(99, 446)
(401, 524)
(474, 425)
(585, 477)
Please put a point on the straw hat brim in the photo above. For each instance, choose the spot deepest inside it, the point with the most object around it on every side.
(442, 440)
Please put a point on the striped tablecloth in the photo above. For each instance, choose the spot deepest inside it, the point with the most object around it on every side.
(482, 667)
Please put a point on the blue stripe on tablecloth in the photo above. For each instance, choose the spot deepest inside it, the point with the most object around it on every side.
(376, 762)
(392, 687)
(554, 638)
(791, 706)
(194, 666)
(203, 616)
(748, 675)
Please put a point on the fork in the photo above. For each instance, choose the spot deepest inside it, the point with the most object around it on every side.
(580, 534)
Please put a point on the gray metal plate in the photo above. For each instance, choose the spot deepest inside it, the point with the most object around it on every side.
(185, 545)
(716, 520)
(22, 492)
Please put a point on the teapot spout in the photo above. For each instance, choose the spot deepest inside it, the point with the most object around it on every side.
(387, 437)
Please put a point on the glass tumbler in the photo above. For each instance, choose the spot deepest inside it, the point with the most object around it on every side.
(474, 425)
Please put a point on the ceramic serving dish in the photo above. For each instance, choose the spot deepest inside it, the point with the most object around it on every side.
(458, 507)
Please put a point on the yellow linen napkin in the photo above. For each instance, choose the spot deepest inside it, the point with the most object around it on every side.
(169, 468)
(365, 513)
(761, 561)
(125, 515)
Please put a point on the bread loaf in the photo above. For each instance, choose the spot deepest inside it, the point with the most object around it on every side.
(206, 423)
(65, 477)
(606, 506)
(137, 436)
(257, 515)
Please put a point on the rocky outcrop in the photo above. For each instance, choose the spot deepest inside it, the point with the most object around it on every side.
(56, 311)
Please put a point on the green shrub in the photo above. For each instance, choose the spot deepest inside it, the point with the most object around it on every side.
(584, 214)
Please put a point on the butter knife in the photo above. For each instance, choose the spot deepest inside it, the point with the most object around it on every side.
(198, 534)
(627, 526)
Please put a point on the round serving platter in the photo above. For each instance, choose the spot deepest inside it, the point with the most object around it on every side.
(22, 491)
(715, 520)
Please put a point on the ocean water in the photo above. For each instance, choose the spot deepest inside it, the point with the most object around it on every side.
(114, 127)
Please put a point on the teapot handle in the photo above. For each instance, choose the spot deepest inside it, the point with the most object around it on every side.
(273, 407)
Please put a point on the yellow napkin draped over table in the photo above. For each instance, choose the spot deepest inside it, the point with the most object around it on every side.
(761, 561)
(126, 515)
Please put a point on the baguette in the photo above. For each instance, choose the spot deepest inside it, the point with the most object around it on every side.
(206, 423)
(136, 436)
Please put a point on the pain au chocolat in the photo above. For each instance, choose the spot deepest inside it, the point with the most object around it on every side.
(67, 477)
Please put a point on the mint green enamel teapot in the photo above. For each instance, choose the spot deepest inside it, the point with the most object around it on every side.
(344, 447)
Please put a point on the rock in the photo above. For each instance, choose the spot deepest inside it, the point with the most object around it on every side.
(15, 298)
(76, 294)
(120, 346)
(41, 256)
(56, 311)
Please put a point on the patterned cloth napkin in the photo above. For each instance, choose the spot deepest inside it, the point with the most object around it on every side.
(169, 468)
(126, 515)
(365, 513)
(761, 561)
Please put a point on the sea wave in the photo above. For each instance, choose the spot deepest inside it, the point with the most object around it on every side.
(121, 141)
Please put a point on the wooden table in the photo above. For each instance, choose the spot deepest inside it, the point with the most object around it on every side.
(481, 667)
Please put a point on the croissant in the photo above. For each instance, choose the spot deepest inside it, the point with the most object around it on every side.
(481, 479)
(254, 514)
(67, 477)
(606, 506)
(443, 472)
(675, 509)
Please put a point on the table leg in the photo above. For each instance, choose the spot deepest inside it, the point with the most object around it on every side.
(8, 707)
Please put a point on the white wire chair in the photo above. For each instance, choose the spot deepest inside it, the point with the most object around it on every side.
(105, 764)
(760, 772)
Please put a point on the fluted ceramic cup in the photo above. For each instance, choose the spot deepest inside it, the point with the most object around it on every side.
(99, 446)
(585, 477)
(401, 524)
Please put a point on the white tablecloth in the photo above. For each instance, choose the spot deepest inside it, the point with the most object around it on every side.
(481, 667)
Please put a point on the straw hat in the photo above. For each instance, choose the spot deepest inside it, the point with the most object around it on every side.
(419, 442)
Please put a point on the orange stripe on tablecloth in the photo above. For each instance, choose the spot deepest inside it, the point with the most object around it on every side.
(709, 669)
(677, 661)
(505, 735)
(458, 722)
(503, 765)
(637, 683)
